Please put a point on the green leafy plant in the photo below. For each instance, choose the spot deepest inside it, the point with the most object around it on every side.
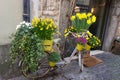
(44, 27)
(54, 57)
(27, 47)
(93, 41)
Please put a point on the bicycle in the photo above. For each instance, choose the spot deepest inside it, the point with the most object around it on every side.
(44, 68)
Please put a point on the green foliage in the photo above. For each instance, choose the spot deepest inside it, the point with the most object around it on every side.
(54, 57)
(26, 46)
(93, 41)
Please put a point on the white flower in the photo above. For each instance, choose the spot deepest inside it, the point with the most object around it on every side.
(18, 26)
(27, 24)
(22, 22)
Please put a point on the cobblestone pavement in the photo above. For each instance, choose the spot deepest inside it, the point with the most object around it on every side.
(108, 70)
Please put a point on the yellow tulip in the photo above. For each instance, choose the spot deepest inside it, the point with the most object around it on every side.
(66, 30)
(93, 18)
(87, 38)
(66, 34)
(89, 14)
(89, 21)
(47, 27)
(84, 15)
(90, 34)
(72, 18)
(79, 15)
(41, 29)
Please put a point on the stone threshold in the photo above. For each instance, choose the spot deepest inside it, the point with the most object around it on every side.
(95, 52)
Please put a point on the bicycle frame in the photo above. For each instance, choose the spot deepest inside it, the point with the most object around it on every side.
(67, 60)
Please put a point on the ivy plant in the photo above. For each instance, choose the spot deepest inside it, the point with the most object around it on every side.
(26, 47)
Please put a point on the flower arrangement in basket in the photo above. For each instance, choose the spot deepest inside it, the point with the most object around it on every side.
(79, 30)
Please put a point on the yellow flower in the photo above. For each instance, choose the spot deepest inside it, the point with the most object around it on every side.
(42, 23)
(89, 14)
(90, 34)
(41, 29)
(55, 26)
(77, 14)
(51, 21)
(47, 27)
(89, 21)
(66, 30)
(84, 15)
(72, 27)
(77, 35)
(72, 18)
(93, 18)
(66, 34)
(87, 38)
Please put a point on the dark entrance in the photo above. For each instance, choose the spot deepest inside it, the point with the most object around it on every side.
(101, 9)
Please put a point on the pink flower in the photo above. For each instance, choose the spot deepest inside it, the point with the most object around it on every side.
(81, 40)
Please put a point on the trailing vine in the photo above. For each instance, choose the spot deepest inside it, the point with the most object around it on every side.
(26, 47)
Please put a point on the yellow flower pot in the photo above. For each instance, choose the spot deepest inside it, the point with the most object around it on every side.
(48, 45)
(79, 47)
(87, 47)
(52, 64)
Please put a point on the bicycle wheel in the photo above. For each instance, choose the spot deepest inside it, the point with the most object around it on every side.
(43, 69)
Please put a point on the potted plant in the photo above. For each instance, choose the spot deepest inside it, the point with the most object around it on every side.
(26, 47)
(53, 58)
(45, 28)
(79, 30)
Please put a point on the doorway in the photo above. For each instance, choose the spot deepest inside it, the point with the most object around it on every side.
(100, 8)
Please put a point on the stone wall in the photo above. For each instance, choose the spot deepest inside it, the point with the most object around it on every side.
(58, 10)
(113, 28)
(47, 8)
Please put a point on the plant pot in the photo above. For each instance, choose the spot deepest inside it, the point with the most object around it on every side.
(79, 47)
(48, 45)
(87, 47)
(52, 64)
